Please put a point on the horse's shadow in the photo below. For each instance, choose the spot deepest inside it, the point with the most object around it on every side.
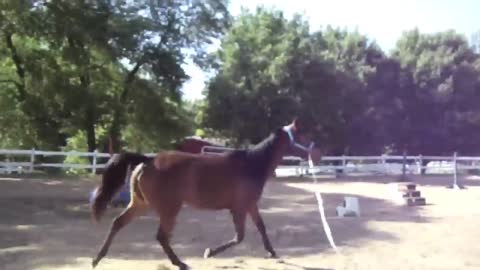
(293, 224)
(281, 262)
(291, 216)
(302, 267)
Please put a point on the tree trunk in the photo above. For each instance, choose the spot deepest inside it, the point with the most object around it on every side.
(114, 132)
(118, 115)
(19, 67)
(90, 128)
(89, 116)
(37, 120)
(85, 82)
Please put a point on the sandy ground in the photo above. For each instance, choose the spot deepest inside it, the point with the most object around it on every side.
(44, 224)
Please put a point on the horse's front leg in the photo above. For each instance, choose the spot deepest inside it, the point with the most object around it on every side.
(257, 219)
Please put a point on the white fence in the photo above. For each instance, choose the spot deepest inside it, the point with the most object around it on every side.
(8, 166)
(348, 164)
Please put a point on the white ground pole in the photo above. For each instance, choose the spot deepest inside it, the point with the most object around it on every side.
(326, 227)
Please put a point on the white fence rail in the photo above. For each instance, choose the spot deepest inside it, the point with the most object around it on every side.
(28, 160)
(7, 166)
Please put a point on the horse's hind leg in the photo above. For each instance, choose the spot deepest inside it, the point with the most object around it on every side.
(239, 222)
(257, 219)
(118, 223)
(167, 222)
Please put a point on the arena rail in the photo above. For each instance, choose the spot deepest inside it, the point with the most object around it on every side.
(8, 166)
(13, 160)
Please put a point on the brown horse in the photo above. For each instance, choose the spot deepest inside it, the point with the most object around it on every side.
(232, 181)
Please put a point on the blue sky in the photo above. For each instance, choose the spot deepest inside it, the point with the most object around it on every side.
(381, 20)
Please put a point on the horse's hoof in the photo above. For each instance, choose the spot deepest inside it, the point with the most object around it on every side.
(271, 255)
(182, 266)
(207, 253)
(94, 263)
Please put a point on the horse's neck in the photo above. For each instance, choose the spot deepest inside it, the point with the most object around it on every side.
(275, 158)
(266, 159)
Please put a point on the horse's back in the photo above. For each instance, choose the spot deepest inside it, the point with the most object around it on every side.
(203, 181)
(180, 168)
(172, 159)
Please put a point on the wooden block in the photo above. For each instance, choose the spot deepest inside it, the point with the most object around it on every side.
(411, 194)
(415, 201)
(406, 187)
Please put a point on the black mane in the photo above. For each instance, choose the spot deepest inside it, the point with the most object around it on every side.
(259, 157)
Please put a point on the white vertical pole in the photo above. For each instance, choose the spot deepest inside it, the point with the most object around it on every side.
(404, 167)
(384, 163)
(420, 165)
(9, 167)
(455, 185)
(94, 165)
(32, 160)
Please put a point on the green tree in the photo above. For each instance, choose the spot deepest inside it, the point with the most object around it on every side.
(168, 29)
(271, 68)
(248, 96)
(441, 112)
(100, 66)
(343, 108)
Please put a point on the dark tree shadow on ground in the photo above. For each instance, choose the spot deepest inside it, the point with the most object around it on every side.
(55, 220)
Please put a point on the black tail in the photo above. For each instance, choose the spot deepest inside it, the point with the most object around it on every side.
(113, 179)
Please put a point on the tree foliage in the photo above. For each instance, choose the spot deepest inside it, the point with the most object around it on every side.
(421, 98)
(102, 69)
(79, 74)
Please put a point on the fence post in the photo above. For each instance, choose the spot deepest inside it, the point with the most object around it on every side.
(344, 165)
(32, 160)
(9, 167)
(455, 170)
(384, 164)
(305, 168)
(94, 161)
(455, 184)
(403, 178)
(422, 170)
